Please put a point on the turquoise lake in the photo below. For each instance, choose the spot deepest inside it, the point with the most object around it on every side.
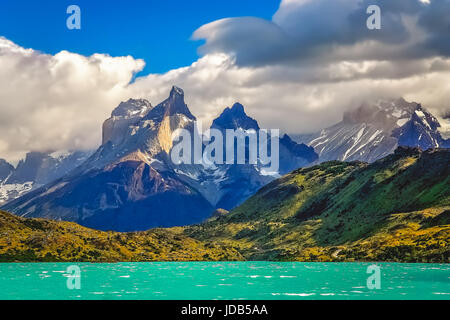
(223, 281)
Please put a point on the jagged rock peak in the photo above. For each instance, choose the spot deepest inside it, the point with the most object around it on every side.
(175, 104)
(132, 107)
(176, 92)
(234, 118)
(5, 169)
(299, 149)
(238, 108)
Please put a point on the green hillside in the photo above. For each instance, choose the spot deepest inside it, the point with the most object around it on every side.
(396, 209)
(44, 240)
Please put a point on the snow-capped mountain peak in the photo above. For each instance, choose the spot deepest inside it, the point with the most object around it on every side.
(386, 114)
(421, 130)
(35, 170)
(376, 129)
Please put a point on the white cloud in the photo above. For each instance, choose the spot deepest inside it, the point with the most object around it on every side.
(57, 101)
(60, 101)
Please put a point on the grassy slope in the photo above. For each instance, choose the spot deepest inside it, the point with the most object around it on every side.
(346, 211)
(44, 240)
(396, 209)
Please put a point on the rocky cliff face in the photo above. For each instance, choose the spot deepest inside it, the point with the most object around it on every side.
(122, 118)
(5, 169)
(36, 170)
(235, 118)
(375, 130)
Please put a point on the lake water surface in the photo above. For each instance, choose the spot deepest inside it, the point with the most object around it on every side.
(215, 280)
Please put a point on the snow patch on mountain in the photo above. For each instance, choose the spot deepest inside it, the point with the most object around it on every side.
(375, 130)
(14, 190)
(36, 170)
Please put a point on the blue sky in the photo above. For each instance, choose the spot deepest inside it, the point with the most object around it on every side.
(157, 31)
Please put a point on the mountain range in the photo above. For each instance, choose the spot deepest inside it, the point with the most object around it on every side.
(395, 209)
(374, 130)
(36, 170)
(130, 182)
